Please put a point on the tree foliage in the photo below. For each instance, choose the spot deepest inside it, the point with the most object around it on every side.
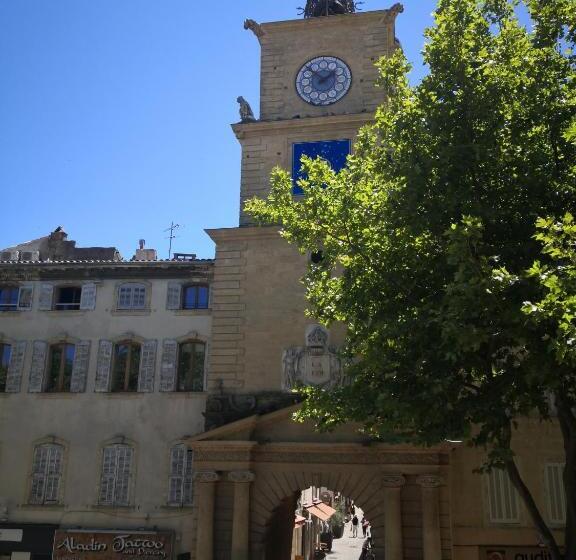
(448, 249)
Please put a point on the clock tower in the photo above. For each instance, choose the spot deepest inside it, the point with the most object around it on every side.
(317, 88)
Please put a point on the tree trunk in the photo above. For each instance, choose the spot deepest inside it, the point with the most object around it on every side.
(568, 426)
(533, 510)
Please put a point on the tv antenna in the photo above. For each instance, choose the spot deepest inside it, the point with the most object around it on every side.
(173, 227)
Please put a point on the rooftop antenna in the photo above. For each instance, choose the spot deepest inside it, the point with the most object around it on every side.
(173, 227)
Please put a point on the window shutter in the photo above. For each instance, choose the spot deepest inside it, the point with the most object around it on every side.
(168, 366)
(123, 472)
(35, 256)
(555, 492)
(103, 365)
(46, 294)
(88, 297)
(39, 468)
(38, 367)
(174, 295)
(80, 367)
(14, 377)
(14, 255)
(25, 295)
(109, 460)
(177, 470)
(188, 489)
(147, 367)
(503, 498)
(53, 474)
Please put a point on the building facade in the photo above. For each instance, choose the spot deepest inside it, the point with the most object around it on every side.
(151, 395)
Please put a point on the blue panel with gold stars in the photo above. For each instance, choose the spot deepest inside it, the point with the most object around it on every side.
(333, 151)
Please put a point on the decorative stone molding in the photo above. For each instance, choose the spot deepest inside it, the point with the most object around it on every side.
(241, 476)
(255, 27)
(393, 481)
(429, 481)
(392, 13)
(206, 476)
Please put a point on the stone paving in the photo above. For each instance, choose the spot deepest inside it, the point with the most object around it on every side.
(347, 548)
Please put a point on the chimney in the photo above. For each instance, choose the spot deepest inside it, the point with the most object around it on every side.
(144, 254)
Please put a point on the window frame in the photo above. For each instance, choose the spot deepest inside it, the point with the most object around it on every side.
(500, 477)
(58, 306)
(146, 304)
(115, 477)
(58, 476)
(60, 379)
(127, 374)
(181, 344)
(4, 376)
(197, 287)
(6, 307)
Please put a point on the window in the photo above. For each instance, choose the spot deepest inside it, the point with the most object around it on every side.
(181, 482)
(555, 493)
(68, 298)
(5, 353)
(126, 367)
(195, 297)
(503, 498)
(116, 475)
(46, 474)
(60, 367)
(191, 366)
(9, 298)
(131, 296)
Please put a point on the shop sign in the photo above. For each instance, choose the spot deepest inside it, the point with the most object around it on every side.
(11, 535)
(516, 553)
(116, 545)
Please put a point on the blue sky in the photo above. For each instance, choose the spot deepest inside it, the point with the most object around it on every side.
(115, 114)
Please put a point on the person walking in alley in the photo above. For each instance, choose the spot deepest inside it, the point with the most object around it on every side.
(355, 526)
(366, 550)
(365, 524)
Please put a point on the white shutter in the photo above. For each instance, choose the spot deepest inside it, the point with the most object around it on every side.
(188, 489)
(80, 367)
(38, 367)
(123, 472)
(173, 298)
(108, 476)
(35, 256)
(14, 255)
(555, 493)
(103, 366)
(46, 295)
(168, 365)
(147, 367)
(53, 474)
(177, 470)
(25, 295)
(502, 497)
(88, 296)
(14, 377)
(39, 468)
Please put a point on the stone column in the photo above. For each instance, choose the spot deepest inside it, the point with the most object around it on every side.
(241, 518)
(392, 483)
(205, 494)
(431, 539)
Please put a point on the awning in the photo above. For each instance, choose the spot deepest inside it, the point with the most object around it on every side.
(299, 521)
(321, 510)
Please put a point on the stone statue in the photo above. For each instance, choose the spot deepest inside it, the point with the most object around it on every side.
(246, 113)
(315, 364)
(255, 27)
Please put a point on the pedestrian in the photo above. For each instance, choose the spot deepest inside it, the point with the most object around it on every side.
(355, 526)
(352, 509)
(365, 548)
(365, 524)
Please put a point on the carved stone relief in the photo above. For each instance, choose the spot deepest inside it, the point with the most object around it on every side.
(316, 364)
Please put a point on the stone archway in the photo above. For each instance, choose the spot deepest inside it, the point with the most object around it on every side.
(247, 469)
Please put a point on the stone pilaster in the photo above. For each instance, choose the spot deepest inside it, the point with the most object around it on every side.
(241, 519)
(431, 538)
(392, 484)
(205, 495)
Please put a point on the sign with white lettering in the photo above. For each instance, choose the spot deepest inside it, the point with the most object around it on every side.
(515, 553)
(113, 545)
(11, 535)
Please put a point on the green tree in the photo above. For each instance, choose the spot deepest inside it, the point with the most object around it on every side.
(460, 315)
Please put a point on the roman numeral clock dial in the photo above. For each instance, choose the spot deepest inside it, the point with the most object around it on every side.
(323, 80)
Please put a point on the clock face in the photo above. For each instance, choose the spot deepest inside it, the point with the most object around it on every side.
(323, 80)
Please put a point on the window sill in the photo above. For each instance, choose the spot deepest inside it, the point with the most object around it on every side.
(206, 311)
(188, 507)
(130, 312)
(71, 312)
(113, 508)
(184, 394)
(124, 394)
(43, 507)
(11, 313)
(56, 395)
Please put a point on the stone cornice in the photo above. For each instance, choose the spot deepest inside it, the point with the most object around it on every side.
(243, 232)
(257, 128)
